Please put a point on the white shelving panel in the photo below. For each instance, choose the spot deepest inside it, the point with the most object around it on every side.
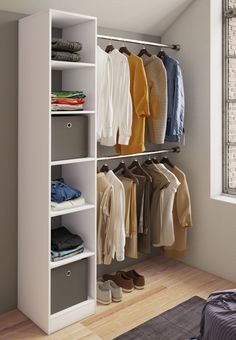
(71, 161)
(67, 65)
(35, 166)
(86, 253)
(72, 210)
(71, 113)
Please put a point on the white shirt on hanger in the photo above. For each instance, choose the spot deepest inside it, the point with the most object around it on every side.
(104, 94)
(119, 219)
(167, 234)
(121, 101)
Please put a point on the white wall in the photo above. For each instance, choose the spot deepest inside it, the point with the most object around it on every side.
(212, 238)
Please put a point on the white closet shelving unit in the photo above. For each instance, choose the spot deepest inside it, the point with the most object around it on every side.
(35, 268)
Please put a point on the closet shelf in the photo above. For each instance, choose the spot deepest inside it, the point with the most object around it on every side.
(68, 65)
(70, 113)
(72, 161)
(87, 253)
(86, 206)
(62, 313)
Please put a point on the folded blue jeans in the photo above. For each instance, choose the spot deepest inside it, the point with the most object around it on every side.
(62, 192)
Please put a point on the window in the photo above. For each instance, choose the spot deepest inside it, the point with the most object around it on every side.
(229, 97)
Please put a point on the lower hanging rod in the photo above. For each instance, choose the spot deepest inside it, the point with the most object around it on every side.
(175, 149)
(141, 42)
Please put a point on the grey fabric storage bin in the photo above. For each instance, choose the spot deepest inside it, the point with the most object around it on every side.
(69, 285)
(69, 137)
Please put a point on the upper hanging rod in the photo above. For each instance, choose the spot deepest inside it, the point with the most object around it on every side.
(174, 149)
(141, 42)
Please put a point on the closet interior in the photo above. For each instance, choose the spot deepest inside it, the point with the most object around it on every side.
(56, 290)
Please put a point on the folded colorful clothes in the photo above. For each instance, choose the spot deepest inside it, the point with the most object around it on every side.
(59, 44)
(65, 56)
(62, 107)
(67, 101)
(68, 94)
(68, 204)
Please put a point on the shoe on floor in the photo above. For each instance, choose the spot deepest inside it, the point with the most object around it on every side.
(103, 293)
(116, 291)
(139, 280)
(121, 280)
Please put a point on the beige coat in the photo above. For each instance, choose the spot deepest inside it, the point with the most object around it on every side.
(105, 220)
(182, 217)
(157, 86)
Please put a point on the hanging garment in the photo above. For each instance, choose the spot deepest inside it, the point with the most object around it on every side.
(121, 101)
(157, 88)
(104, 94)
(144, 239)
(159, 185)
(143, 214)
(182, 216)
(119, 216)
(131, 247)
(139, 94)
(105, 219)
(176, 105)
(167, 234)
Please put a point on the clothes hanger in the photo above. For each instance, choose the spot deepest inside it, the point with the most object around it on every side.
(165, 160)
(162, 53)
(125, 50)
(148, 161)
(109, 47)
(144, 51)
(155, 160)
(122, 166)
(137, 165)
(104, 168)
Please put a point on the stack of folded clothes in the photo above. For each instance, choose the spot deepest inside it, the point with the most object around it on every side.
(67, 100)
(65, 244)
(63, 196)
(65, 50)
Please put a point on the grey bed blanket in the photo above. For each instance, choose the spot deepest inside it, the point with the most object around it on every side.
(218, 320)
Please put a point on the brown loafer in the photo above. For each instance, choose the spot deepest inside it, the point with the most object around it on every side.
(138, 280)
(126, 283)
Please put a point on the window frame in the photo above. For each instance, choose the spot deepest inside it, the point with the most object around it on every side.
(226, 101)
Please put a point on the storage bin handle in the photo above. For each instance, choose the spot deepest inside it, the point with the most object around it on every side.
(68, 273)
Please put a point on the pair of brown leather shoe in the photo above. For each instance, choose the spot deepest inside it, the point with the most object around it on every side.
(127, 280)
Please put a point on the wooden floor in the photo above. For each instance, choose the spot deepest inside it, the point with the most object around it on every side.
(168, 283)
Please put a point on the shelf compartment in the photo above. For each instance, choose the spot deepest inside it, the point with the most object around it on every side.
(72, 314)
(83, 207)
(74, 160)
(63, 113)
(69, 65)
(87, 253)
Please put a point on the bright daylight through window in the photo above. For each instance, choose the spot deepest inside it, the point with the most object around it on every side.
(229, 97)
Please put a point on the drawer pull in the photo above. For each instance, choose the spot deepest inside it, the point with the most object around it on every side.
(68, 273)
(69, 125)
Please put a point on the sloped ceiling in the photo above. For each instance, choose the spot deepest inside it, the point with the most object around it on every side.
(141, 16)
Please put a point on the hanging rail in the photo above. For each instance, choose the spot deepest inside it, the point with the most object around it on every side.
(175, 149)
(141, 42)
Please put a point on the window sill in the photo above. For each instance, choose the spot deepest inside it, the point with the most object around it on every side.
(225, 198)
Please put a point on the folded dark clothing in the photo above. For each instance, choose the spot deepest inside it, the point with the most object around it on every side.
(63, 239)
(57, 256)
(67, 94)
(66, 45)
(65, 56)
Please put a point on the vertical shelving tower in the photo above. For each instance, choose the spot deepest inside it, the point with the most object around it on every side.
(36, 167)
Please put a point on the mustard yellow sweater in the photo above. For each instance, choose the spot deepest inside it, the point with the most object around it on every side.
(139, 94)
